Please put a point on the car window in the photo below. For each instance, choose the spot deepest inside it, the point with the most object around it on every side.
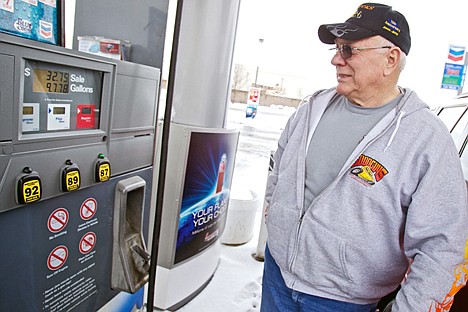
(450, 115)
(464, 162)
(458, 133)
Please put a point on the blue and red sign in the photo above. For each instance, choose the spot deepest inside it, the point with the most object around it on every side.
(453, 76)
(454, 70)
(456, 53)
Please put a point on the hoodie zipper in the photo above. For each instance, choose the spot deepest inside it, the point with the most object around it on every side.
(303, 211)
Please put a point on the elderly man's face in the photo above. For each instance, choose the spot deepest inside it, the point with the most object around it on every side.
(361, 76)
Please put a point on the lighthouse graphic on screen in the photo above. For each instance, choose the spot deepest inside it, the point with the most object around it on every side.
(221, 170)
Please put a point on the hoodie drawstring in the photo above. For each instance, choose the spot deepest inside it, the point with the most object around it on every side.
(396, 129)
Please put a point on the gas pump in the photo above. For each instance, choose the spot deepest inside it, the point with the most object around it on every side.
(77, 145)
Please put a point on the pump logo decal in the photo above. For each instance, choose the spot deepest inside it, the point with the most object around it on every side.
(23, 25)
(209, 236)
(45, 29)
(367, 170)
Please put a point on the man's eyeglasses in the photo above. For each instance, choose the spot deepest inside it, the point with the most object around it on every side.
(346, 51)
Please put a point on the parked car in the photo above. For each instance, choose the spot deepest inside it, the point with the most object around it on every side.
(455, 117)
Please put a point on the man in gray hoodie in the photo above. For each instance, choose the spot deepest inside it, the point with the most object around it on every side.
(367, 191)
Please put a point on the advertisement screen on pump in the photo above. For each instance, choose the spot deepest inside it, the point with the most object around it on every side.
(206, 192)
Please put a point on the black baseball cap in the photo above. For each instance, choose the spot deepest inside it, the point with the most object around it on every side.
(369, 20)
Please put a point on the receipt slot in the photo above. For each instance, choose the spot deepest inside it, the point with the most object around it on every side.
(130, 260)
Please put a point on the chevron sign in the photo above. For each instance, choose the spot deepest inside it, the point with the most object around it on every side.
(456, 53)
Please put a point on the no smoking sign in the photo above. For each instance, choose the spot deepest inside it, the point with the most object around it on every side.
(88, 209)
(57, 257)
(87, 242)
(57, 220)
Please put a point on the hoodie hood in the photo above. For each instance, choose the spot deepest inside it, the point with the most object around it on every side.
(409, 104)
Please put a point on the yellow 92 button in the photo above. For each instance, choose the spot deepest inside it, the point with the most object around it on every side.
(29, 187)
(31, 191)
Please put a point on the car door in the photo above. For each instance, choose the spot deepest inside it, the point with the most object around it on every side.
(455, 118)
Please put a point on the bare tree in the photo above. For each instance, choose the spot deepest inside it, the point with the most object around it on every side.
(240, 77)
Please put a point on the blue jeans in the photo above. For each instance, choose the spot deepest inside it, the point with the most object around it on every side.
(277, 297)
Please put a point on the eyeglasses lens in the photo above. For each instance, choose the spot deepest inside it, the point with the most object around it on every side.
(346, 51)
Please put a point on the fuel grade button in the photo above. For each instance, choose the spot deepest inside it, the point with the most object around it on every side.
(102, 171)
(71, 177)
(28, 188)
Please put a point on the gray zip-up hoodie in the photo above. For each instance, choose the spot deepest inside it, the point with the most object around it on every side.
(400, 197)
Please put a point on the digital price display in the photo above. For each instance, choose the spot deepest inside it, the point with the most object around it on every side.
(51, 81)
(86, 111)
(60, 97)
(28, 110)
(59, 110)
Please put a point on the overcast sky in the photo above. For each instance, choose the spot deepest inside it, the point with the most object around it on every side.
(291, 47)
